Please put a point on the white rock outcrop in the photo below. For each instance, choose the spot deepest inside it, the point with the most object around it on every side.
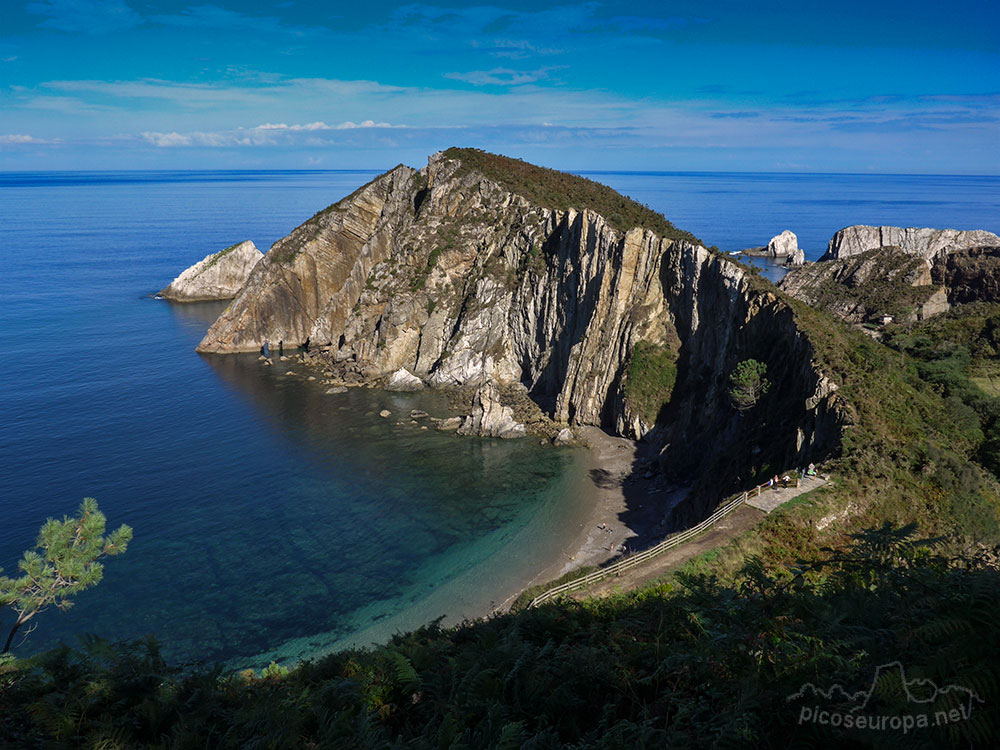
(218, 276)
(784, 244)
(925, 242)
(404, 380)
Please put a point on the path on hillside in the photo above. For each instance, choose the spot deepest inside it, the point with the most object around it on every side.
(740, 520)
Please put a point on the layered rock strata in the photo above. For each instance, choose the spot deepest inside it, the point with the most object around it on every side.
(461, 281)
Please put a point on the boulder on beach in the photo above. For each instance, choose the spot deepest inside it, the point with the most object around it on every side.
(564, 437)
(490, 418)
(218, 276)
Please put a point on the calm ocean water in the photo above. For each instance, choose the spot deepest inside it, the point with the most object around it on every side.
(271, 520)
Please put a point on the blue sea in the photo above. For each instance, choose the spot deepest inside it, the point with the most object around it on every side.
(274, 521)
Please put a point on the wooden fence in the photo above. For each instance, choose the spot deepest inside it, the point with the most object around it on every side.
(640, 557)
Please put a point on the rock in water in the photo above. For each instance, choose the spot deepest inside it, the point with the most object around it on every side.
(220, 275)
(783, 245)
(925, 242)
(404, 380)
(786, 245)
(490, 418)
(449, 424)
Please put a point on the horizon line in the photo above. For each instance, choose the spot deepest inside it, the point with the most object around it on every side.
(276, 170)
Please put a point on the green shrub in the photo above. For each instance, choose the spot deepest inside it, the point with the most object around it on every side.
(652, 373)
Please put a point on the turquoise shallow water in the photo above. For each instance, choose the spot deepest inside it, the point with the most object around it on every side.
(271, 520)
(268, 516)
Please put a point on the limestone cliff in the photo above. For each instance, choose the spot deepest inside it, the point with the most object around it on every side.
(925, 242)
(481, 271)
(217, 276)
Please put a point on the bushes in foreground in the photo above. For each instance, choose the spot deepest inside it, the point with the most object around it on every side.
(690, 663)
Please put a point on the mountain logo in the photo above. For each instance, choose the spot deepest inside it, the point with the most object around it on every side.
(929, 705)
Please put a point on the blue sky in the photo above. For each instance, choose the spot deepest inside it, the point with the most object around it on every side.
(903, 87)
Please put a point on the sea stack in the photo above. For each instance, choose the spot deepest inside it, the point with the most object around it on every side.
(218, 276)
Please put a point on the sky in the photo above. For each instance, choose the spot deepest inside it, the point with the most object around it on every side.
(878, 86)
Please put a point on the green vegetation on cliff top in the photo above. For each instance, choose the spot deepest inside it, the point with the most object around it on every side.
(562, 191)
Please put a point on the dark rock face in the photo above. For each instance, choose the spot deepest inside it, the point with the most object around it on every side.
(461, 282)
(971, 275)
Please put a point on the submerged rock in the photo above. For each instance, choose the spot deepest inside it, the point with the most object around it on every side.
(450, 424)
(218, 276)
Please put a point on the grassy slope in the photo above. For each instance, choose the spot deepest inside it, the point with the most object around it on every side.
(562, 191)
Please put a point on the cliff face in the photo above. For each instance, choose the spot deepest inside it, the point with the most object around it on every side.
(218, 276)
(863, 287)
(971, 275)
(454, 277)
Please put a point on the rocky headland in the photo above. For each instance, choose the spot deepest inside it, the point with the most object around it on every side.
(218, 276)
(488, 274)
(874, 274)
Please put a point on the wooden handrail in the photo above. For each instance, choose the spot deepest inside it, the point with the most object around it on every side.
(640, 557)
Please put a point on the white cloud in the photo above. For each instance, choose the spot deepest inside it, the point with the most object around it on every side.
(167, 139)
(500, 76)
(268, 134)
(20, 138)
(346, 125)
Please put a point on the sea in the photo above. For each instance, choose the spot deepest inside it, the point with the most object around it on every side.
(273, 521)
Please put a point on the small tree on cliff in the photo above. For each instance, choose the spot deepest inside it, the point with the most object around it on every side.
(67, 564)
(748, 383)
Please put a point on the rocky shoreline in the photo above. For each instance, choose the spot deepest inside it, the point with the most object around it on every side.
(489, 410)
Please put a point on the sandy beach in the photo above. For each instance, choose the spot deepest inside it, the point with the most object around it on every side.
(626, 506)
